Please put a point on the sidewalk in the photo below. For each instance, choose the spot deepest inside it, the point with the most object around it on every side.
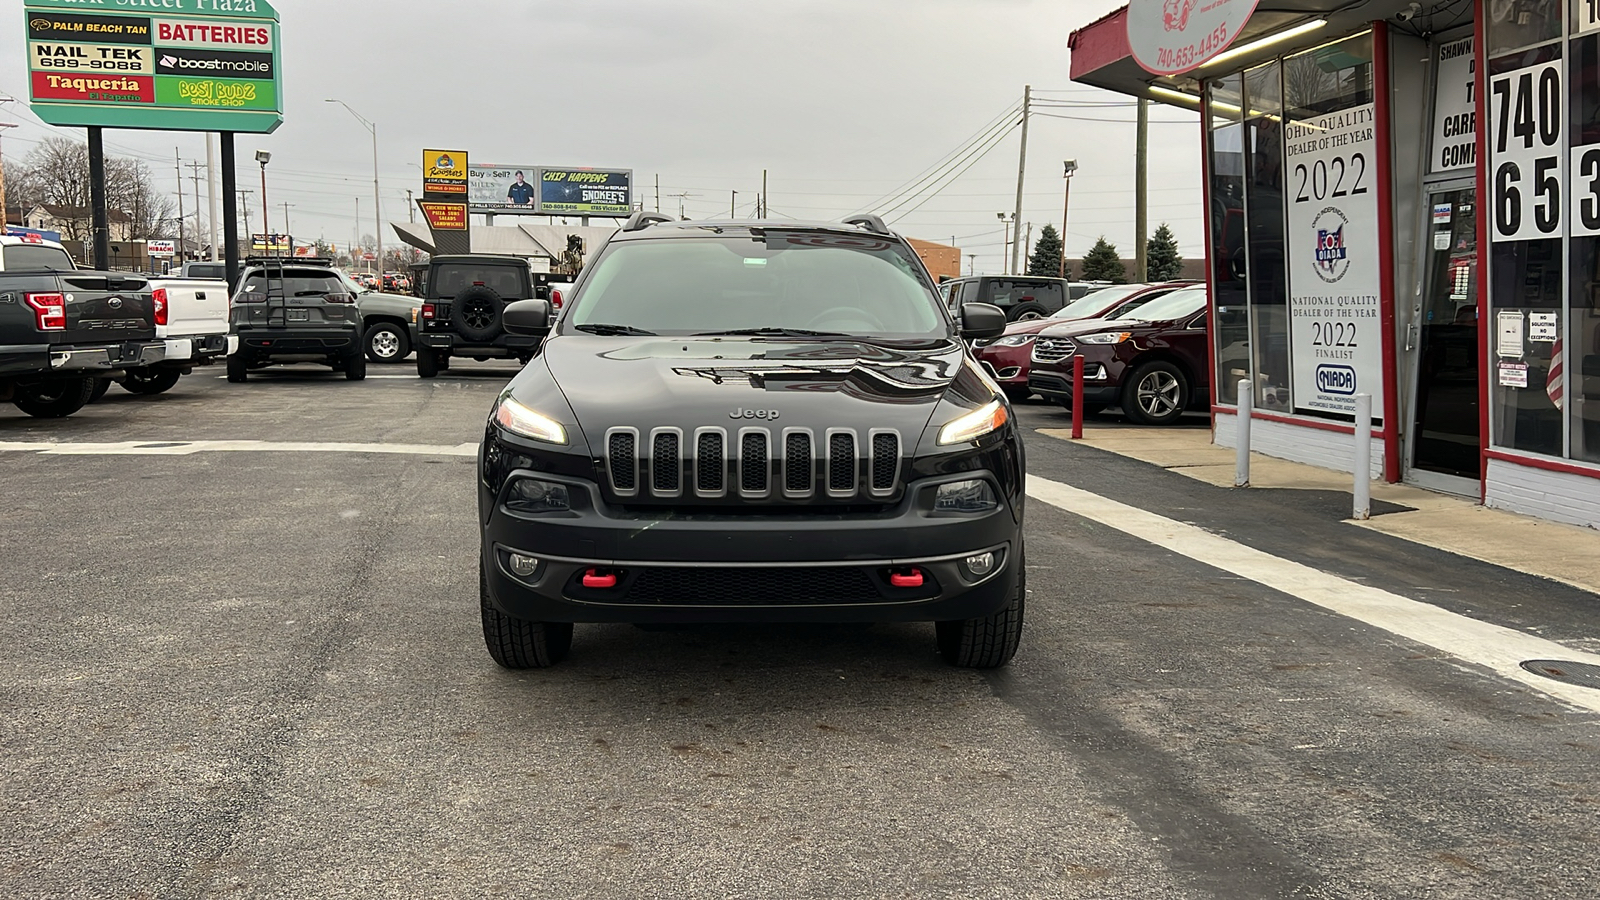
(1551, 550)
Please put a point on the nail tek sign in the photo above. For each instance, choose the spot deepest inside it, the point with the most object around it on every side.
(185, 65)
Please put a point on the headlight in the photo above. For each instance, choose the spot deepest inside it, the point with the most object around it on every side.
(1107, 337)
(531, 495)
(1014, 340)
(519, 419)
(975, 424)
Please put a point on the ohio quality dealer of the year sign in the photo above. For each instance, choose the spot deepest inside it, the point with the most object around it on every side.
(1335, 325)
(183, 65)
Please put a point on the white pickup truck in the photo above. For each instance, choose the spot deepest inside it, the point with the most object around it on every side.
(192, 321)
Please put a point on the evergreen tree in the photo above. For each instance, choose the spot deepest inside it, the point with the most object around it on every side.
(1046, 258)
(1102, 263)
(1161, 255)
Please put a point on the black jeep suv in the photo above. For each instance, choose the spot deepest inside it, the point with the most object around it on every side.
(463, 297)
(752, 421)
(301, 310)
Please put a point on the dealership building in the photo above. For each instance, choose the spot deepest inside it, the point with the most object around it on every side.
(1402, 200)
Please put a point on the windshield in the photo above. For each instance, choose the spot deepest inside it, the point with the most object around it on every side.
(296, 283)
(21, 257)
(796, 281)
(1092, 303)
(1175, 305)
(451, 278)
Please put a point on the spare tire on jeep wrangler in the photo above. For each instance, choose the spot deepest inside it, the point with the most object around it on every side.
(475, 313)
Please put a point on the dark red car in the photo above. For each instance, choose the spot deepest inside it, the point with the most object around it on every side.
(1151, 363)
(1007, 357)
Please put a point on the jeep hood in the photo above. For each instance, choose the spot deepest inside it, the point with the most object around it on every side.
(734, 382)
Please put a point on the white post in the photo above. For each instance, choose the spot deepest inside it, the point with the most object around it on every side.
(1363, 463)
(211, 190)
(1241, 433)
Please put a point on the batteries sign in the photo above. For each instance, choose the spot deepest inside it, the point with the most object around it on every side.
(187, 65)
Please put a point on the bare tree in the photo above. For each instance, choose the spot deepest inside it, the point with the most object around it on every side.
(56, 173)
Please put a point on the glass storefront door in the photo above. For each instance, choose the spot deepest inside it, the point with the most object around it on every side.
(1445, 434)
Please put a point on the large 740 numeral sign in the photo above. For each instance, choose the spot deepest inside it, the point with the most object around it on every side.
(1525, 113)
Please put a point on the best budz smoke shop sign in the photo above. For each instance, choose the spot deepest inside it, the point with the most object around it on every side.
(1335, 327)
(195, 65)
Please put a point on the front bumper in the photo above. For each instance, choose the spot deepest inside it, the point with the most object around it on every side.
(22, 360)
(1100, 386)
(1006, 365)
(679, 566)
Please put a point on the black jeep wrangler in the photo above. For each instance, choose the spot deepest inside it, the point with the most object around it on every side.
(752, 421)
(463, 298)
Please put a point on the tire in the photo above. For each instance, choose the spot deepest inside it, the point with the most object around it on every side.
(517, 643)
(355, 366)
(1017, 393)
(151, 381)
(475, 314)
(55, 399)
(101, 385)
(427, 363)
(1156, 394)
(236, 368)
(1026, 312)
(990, 641)
(386, 342)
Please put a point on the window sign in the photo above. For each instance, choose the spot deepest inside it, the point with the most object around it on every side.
(1336, 331)
(1584, 186)
(1585, 16)
(1525, 140)
(1455, 126)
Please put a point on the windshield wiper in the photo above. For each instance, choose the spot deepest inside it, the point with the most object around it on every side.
(775, 332)
(605, 329)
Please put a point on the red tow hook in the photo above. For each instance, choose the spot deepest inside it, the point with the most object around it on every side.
(594, 578)
(910, 578)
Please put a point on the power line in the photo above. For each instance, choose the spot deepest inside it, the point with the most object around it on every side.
(950, 174)
(982, 134)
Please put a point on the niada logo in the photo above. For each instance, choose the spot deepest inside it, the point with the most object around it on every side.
(1332, 259)
(768, 414)
(1336, 380)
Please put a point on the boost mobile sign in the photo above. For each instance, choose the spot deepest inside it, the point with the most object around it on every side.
(1335, 327)
(177, 65)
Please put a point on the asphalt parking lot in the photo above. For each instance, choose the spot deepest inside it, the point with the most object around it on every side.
(255, 669)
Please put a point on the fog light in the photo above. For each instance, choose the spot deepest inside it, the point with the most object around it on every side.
(965, 497)
(530, 495)
(524, 566)
(980, 565)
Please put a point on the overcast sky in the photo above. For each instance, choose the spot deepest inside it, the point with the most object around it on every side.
(841, 101)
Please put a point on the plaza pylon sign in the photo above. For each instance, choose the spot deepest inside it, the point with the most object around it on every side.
(178, 65)
(1170, 37)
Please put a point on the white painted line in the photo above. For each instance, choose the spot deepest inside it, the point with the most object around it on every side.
(186, 448)
(1470, 640)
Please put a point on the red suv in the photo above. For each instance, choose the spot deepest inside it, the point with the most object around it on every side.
(1007, 357)
(1151, 363)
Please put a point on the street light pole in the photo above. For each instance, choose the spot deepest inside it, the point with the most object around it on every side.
(377, 205)
(264, 157)
(1070, 165)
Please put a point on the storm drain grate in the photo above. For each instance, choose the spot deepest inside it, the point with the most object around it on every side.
(1581, 674)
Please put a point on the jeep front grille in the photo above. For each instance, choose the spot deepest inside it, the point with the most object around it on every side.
(711, 463)
(1050, 349)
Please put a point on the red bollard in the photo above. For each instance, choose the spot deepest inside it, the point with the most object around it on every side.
(1077, 398)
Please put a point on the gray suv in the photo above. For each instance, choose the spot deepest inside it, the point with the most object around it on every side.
(299, 311)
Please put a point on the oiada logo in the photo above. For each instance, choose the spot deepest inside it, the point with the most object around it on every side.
(1332, 259)
(1336, 380)
(767, 414)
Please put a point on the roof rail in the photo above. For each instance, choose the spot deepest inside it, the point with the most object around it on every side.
(642, 220)
(870, 222)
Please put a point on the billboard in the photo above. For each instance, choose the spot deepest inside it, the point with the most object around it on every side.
(502, 189)
(586, 192)
(161, 248)
(444, 216)
(444, 174)
(185, 65)
(276, 244)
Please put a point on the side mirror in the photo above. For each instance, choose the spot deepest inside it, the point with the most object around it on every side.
(527, 317)
(982, 320)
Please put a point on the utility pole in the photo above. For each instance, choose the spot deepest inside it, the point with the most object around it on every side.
(1022, 167)
(733, 205)
(3, 127)
(287, 232)
(972, 262)
(411, 206)
(178, 162)
(244, 207)
(658, 192)
(211, 190)
(763, 193)
(1141, 193)
(681, 196)
(1028, 242)
(194, 175)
